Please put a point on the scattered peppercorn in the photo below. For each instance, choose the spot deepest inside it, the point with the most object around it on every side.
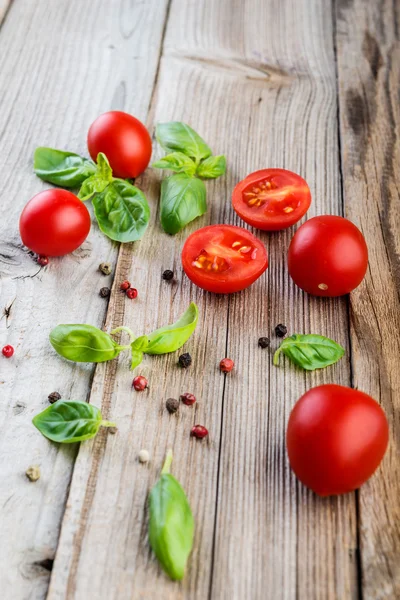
(185, 360)
(132, 293)
(53, 397)
(140, 383)
(263, 342)
(226, 365)
(188, 398)
(281, 330)
(105, 292)
(172, 405)
(8, 351)
(112, 430)
(42, 261)
(168, 275)
(105, 268)
(198, 431)
(125, 285)
(33, 473)
(144, 456)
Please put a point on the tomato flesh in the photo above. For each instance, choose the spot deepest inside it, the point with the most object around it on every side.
(223, 258)
(328, 256)
(124, 140)
(54, 222)
(336, 438)
(271, 199)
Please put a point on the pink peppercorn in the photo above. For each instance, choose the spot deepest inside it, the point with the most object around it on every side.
(8, 351)
(42, 261)
(188, 399)
(140, 383)
(125, 285)
(199, 431)
(226, 365)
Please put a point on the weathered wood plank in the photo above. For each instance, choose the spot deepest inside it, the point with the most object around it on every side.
(265, 95)
(61, 64)
(368, 45)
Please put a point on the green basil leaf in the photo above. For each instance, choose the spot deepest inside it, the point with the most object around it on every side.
(183, 198)
(172, 337)
(122, 211)
(171, 523)
(310, 351)
(98, 182)
(104, 170)
(138, 346)
(136, 358)
(212, 167)
(70, 421)
(178, 162)
(176, 136)
(84, 343)
(65, 169)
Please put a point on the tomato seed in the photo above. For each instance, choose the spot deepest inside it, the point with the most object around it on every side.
(322, 286)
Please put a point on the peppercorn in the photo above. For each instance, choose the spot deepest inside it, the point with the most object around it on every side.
(144, 456)
(8, 351)
(281, 330)
(125, 285)
(198, 431)
(168, 275)
(226, 365)
(185, 360)
(172, 405)
(263, 342)
(188, 398)
(33, 473)
(105, 268)
(132, 293)
(42, 261)
(112, 430)
(53, 397)
(105, 292)
(140, 383)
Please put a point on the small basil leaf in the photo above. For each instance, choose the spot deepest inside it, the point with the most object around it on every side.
(140, 343)
(172, 337)
(65, 169)
(83, 343)
(122, 211)
(104, 170)
(178, 162)
(171, 523)
(136, 358)
(310, 351)
(98, 182)
(212, 167)
(70, 421)
(183, 198)
(176, 136)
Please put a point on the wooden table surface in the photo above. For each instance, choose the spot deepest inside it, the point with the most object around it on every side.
(307, 85)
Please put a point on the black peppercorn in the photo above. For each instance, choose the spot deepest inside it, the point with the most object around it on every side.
(53, 397)
(263, 342)
(185, 360)
(281, 330)
(168, 275)
(105, 292)
(172, 405)
(105, 268)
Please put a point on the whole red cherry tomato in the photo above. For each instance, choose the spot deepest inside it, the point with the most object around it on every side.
(271, 199)
(54, 222)
(336, 438)
(328, 256)
(223, 258)
(124, 140)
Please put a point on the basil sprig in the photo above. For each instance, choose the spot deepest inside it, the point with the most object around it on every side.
(171, 523)
(121, 209)
(183, 196)
(70, 421)
(86, 343)
(310, 351)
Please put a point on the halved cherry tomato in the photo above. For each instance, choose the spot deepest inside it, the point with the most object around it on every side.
(336, 438)
(124, 140)
(271, 199)
(328, 256)
(223, 258)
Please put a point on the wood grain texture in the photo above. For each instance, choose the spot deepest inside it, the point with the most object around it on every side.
(265, 100)
(61, 65)
(369, 84)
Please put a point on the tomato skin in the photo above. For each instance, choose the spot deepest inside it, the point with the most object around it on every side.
(124, 140)
(291, 194)
(336, 438)
(54, 222)
(328, 256)
(240, 273)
